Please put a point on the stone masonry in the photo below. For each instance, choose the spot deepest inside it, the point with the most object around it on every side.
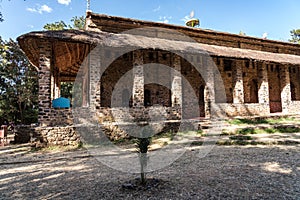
(189, 85)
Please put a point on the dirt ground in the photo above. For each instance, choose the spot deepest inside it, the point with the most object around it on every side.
(227, 172)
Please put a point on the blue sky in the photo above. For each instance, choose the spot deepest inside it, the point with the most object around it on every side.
(254, 17)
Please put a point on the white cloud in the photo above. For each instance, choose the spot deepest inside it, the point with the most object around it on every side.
(188, 17)
(31, 9)
(265, 35)
(165, 19)
(64, 2)
(156, 9)
(40, 9)
(45, 8)
(185, 18)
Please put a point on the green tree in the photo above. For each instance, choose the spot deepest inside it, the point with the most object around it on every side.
(18, 85)
(61, 25)
(77, 23)
(19, 79)
(295, 34)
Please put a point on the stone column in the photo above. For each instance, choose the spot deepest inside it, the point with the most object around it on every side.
(44, 74)
(263, 90)
(138, 80)
(95, 77)
(238, 85)
(85, 85)
(285, 87)
(55, 82)
(176, 89)
(209, 90)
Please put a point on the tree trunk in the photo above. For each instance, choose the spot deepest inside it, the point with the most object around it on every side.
(143, 162)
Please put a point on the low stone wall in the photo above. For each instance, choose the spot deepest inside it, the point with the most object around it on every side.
(45, 136)
(138, 114)
(57, 117)
(63, 136)
(116, 123)
(253, 109)
(91, 134)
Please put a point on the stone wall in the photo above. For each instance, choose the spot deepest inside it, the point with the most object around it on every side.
(294, 107)
(253, 109)
(47, 136)
(256, 83)
(129, 114)
(181, 82)
(63, 136)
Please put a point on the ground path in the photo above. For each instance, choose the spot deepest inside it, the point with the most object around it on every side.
(227, 172)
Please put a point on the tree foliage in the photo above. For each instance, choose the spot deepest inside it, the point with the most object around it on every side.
(19, 79)
(1, 17)
(18, 85)
(61, 25)
(295, 36)
(77, 23)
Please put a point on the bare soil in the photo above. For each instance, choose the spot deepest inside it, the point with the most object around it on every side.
(227, 172)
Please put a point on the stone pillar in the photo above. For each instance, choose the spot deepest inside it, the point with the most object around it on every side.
(85, 85)
(44, 74)
(209, 90)
(55, 82)
(138, 80)
(238, 85)
(176, 89)
(285, 87)
(95, 77)
(263, 84)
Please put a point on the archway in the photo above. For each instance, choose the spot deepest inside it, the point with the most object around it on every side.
(293, 92)
(254, 91)
(201, 101)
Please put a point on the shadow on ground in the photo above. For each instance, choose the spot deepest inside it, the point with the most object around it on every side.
(227, 172)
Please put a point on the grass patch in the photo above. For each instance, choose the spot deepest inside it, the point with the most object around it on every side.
(56, 148)
(272, 130)
(255, 121)
(247, 121)
(236, 142)
(287, 129)
(240, 137)
(197, 143)
(246, 131)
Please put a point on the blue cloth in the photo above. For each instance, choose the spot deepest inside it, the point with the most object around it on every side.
(61, 102)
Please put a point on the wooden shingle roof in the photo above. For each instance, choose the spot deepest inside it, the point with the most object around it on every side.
(70, 47)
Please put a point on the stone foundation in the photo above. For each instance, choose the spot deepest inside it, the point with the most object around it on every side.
(255, 109)
(47, 136)
(57, 117)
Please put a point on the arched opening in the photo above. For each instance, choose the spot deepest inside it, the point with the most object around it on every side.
(194, 85)
(147, 98)
(254, 91)
(155, 94)
(274, 89)
(126, 98)
(293, 92)
(201, 101)
(110, 78)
